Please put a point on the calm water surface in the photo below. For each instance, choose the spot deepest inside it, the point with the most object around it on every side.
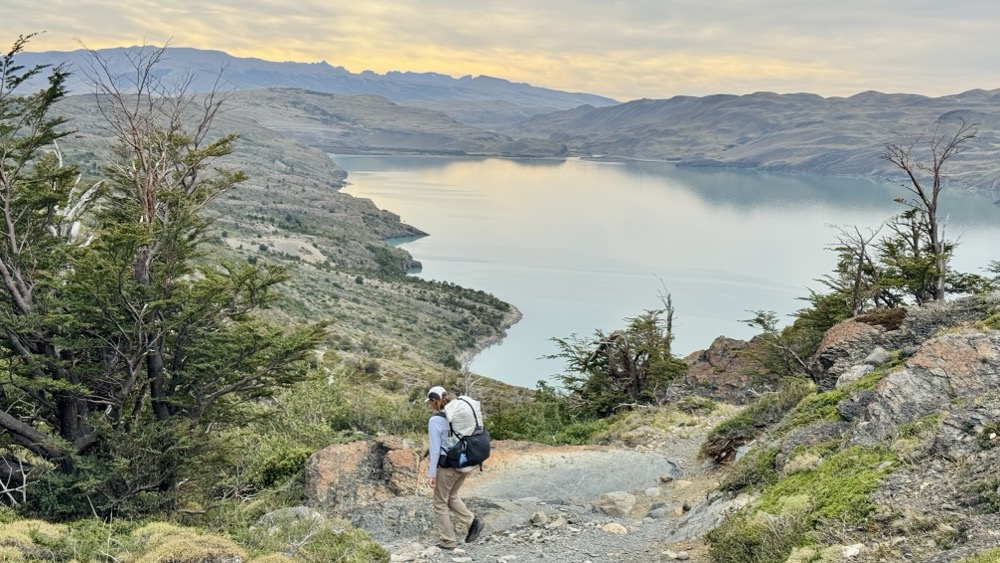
(579, 245)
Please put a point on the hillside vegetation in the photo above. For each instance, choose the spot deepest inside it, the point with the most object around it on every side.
(290, 211)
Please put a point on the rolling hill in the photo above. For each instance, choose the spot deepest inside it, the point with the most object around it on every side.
(333, 109)
(479, 100)
(789, 133)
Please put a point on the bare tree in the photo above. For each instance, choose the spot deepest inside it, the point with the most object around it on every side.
(159, 156)
(923, 167)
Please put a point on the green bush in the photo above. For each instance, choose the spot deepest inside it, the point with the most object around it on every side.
(89, 539)
(581, 433)
(754, 469)
(815, 407)
(301, 540)
(748, 536)
(7, 515)
(838, 488)
(30, 540)
(535, 421)
(546, 418)
(694, 404)
(633, 365)
(723, 441)
(81, 540)
(279, 461)
(317, 412)
(308, 541)
(539, 419)
(990, 322)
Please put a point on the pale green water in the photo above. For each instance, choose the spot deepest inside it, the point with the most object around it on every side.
(579, 245)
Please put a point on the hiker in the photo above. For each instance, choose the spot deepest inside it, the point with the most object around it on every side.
(446, 481)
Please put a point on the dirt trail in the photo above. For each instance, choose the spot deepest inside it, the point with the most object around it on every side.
(560, 486)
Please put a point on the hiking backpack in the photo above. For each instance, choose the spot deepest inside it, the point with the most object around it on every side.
(466, 424)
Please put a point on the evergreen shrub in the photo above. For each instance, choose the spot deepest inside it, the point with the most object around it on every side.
(754, 469)
(750, 536)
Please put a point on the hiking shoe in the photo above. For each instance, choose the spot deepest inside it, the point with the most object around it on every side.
(444, 547)
(474, 529)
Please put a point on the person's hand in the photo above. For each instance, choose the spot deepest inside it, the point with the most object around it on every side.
(431, 481)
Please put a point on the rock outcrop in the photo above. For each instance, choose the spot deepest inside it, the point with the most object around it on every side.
(847, 344)
(343, 477)
(948, 374)
(726, 372)
(937, 407)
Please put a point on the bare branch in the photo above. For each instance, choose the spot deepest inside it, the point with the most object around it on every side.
(14, 479)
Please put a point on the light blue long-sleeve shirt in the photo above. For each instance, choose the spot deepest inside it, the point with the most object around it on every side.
(437, 434)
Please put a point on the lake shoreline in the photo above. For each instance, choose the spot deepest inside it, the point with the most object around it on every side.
(510, 319)
(580, 245)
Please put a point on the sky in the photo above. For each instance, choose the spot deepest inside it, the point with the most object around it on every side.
(621, 49)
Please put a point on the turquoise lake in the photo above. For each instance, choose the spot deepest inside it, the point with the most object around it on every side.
(578, 245)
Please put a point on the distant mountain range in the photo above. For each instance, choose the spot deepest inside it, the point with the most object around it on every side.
(789, 132)
(490, 98)
(336, 110)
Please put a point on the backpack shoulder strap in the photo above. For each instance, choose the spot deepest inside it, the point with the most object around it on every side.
(451, 431)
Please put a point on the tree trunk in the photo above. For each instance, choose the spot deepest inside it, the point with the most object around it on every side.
(154, 368)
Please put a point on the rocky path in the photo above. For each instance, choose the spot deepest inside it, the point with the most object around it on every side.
(647, 499)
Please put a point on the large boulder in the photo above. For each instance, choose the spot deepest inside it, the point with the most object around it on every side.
(843, 346)
(616, 503)
(342, 477)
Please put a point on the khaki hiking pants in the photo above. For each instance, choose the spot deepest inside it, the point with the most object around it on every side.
(449, 481)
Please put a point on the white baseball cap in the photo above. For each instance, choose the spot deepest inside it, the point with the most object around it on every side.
(435, 393)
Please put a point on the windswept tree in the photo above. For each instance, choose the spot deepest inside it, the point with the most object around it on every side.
(858, 278)
(124, 345)
(624, 367)
(922, 161)
(37, 194)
